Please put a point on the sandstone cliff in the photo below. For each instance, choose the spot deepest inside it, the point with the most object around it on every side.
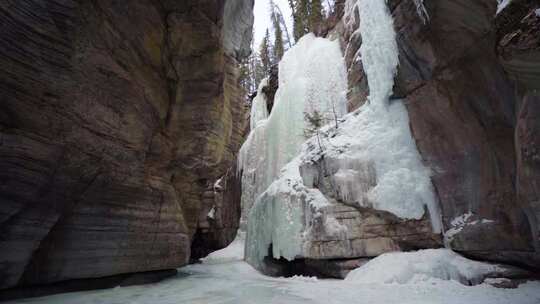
(470, 80)
(116, 119)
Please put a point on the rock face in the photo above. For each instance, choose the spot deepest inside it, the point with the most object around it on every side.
(471, 83)
(115, 120)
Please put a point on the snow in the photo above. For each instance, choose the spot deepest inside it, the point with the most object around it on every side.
(333, 227)
(403, 183)
(423, 265)
(233, 252)
(380, 138)
(378, 133)
(460, 222)
(492, 281)
(212, 213)
(217, 184)
(237, 283)
(502, 4)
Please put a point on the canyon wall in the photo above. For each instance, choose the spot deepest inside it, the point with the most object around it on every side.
(116, 120)
(470, 82)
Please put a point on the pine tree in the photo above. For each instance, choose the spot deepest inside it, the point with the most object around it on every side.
(315, 17)
(300, 9)
(279, 14)
(314, 122)
(265, 53)
(279, 48)
(307, 16)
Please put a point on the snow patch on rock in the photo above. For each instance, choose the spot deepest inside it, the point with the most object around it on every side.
(459, 223)
(502, 4)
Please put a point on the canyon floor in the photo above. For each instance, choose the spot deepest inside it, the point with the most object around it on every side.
(235, 282)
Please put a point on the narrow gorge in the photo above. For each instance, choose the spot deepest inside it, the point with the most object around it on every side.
(389, 154)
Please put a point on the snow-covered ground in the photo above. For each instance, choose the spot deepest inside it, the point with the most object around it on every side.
(235, 282)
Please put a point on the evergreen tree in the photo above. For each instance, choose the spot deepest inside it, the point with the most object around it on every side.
(307, 16)
(265, 53)
(279, 48)
(279, 14)
(300, 9)
(314, 122)
(315, 16)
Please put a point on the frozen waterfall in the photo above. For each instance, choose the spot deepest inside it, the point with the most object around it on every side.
(312, 77)
(372, 153)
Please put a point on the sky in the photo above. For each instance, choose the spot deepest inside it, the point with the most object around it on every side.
(262, 17)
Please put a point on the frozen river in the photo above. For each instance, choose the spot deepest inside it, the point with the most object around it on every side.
(235, 282)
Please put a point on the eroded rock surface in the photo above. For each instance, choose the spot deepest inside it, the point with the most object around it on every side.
(470, 80)
(115, 118)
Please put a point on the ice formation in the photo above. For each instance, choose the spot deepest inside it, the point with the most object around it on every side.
(238, 283)
(423, 265)
(377, 135)
(259, 109)
(379, 131)
(312, 77)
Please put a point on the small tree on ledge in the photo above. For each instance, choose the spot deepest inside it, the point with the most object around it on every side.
(314, 121)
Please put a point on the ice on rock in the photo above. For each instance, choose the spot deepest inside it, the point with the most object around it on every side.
(312, 77)
(423, 265)
(403, 183)
(502, 4)
(259, 109)
(461, 222)
(376, 162)
(379, 131)
(380, 138)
